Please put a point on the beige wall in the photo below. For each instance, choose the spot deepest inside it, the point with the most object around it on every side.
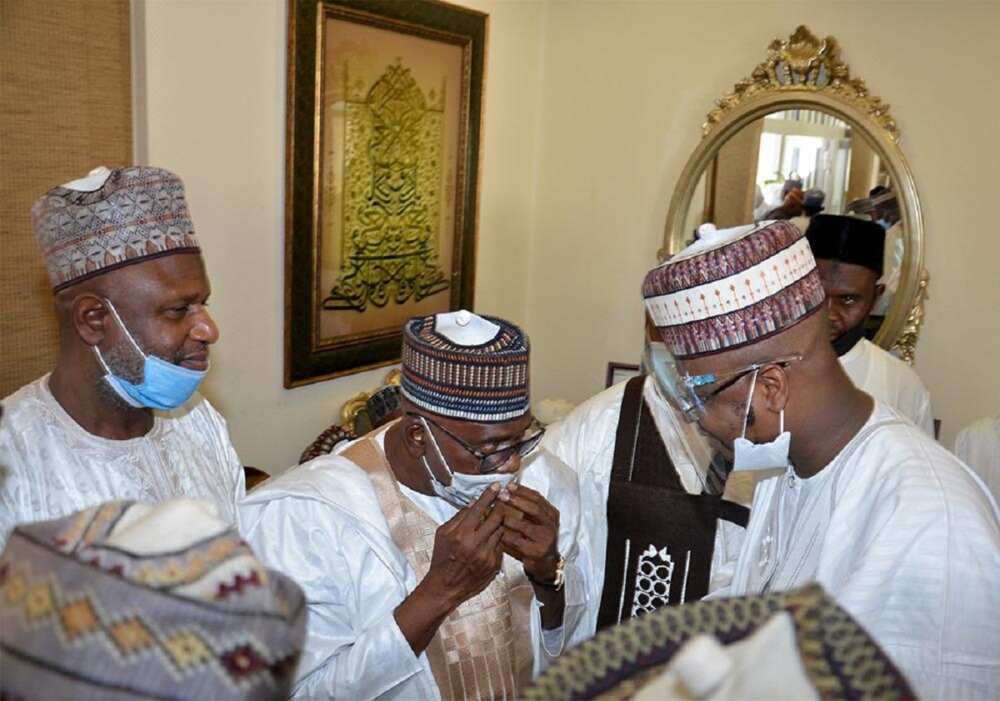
(214, 105)
(626, 88)
(591, 111)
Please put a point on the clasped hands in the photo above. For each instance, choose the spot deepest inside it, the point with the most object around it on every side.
(468, 549)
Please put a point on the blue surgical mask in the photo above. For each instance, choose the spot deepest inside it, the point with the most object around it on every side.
(885, 224)
(164, 386)
(464, 489)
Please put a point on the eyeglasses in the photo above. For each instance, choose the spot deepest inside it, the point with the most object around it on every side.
(687, 393)
(495, 459)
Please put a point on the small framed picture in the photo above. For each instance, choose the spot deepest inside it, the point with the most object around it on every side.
(619, 372)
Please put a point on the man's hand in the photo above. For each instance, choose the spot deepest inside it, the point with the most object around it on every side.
(531, 532)
(466, 558)
(531, 535)
(467, 551)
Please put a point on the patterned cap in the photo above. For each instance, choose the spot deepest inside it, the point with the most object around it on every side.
(466, 366)
(110, 219)
(127, 600)
(733, 287)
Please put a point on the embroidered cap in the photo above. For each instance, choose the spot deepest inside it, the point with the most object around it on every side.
(109, 219)
(465, 366)
(733, 287)
(127, 600)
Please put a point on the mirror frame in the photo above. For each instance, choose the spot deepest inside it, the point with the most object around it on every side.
(804, 72)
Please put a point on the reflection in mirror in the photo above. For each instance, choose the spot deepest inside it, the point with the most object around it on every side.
(793, 164)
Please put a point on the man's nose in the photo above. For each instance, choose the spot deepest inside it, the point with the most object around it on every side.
(831, 314)
(204, 328)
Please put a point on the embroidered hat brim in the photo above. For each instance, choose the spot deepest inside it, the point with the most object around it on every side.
(485, 381)
(733, 288)
(135, 214)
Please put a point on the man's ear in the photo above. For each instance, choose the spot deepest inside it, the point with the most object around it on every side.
(774, 382)
(879, 289)
(90, 317)
(414, 436)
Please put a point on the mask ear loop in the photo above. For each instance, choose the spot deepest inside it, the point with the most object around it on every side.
(746, 414)
(430, 472)
(121, 324)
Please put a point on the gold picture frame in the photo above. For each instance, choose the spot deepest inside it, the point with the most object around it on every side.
(382, 152)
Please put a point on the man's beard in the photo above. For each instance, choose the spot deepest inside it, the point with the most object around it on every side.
(126, 363)
(843, 343)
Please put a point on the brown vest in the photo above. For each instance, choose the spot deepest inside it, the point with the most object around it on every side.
(483, 649)
(660, 538)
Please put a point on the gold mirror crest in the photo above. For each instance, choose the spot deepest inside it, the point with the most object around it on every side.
(805, 62)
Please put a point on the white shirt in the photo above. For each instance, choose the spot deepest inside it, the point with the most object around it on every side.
(978, 446)
(905, 538)
(892, 257)
(889, 379)
(321, 524)
(585, 440)
(50, 466)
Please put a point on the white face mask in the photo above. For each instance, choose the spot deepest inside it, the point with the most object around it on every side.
(761, 456)
(464, 489)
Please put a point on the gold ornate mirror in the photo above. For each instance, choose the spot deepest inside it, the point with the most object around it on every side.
(800, 121)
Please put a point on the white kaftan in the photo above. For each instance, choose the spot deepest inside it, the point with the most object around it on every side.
(585, 440)
(978, 446)
(905, 538)
(50, 466)
(321, 524)
(889, 379)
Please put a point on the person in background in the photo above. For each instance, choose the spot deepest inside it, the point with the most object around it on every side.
(848, 254)
(128, 600)
(791, 202)
(440, 554)
(978, 446)
(885, 212)
(812, 204)
(118, 417)
(897, 530)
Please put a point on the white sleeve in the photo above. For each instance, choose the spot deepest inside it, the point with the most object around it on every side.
(729, 539)
(574, 548)
(354, 649)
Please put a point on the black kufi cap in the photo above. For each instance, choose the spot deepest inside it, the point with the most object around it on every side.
(847, 239)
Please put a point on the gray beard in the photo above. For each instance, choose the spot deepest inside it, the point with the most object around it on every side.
(124, 362)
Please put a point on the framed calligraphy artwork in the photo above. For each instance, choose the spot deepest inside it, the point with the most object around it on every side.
(382, 154)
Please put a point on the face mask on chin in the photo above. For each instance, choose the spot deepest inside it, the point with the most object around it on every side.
(761, 456)
(164, 386)
(847, 340)
(464, 489)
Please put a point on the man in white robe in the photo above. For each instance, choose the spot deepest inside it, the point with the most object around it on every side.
(849, 256)
(896, 529)
(118, 417)
(369, 531)
(586, 440)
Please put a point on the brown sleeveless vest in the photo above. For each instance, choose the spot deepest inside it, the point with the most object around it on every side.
(660, 538)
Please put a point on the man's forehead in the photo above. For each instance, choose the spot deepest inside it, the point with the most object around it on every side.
(180, 275)
(832, 270)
